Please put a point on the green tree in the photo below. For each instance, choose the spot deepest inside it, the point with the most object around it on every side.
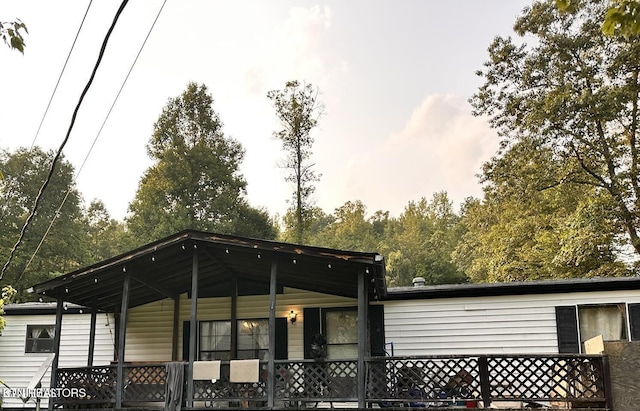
(107, 236)
(622, 16)
(5, 298)
(298, 109)
(64, 247)
(195, 182)
(348, 229)
(529, 227)
(11, 34)
(574, 93)
(421, 242)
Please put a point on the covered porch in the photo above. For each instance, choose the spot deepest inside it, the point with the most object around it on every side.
(191, 267)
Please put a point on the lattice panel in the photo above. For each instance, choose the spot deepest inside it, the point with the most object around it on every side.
(413, 379)
(144, 383)
(546, 378)
(98, 384)
(316, 380)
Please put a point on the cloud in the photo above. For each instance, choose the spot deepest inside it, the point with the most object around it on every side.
(297, 49)
(440, 147)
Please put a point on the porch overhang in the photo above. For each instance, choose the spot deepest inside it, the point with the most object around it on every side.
(163, 269)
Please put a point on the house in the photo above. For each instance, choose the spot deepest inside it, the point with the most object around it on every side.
(237, 321)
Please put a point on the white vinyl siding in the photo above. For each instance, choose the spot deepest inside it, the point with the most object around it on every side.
(17, 367)
(523, 324)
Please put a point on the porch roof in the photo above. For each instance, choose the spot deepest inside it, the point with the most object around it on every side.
(163, 269)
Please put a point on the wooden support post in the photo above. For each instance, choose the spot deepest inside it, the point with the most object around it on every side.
(485, 386)
(176, 325)
(606, 375)
(271, 367)
(92, 336)
(56, 349)
(194, 326)
(122, 334)
(234, 319)
(363, 305)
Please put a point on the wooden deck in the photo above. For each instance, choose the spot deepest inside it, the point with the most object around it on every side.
(557, 381)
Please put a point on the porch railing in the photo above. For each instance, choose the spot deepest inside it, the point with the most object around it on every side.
(562, 380)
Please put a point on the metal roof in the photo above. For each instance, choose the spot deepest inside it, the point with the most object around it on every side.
(513, 288)
(163, 269)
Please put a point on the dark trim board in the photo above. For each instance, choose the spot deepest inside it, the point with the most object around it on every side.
(515, 288)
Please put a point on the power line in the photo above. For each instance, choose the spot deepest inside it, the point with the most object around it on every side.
(57, 213)
(44, 115)
(64, 142)
(61, 73)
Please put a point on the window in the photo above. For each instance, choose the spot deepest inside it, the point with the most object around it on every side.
(253, 339)
(608, 320)
(252, 343)
(40, 338)
(588, 321)
(215, 340)
(341, 330)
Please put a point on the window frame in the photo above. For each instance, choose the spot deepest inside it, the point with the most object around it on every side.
(199, 349)
(324, 312)
(239, 353)
(624, 311)
(31, 343)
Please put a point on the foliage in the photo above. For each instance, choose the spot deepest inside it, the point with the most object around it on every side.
(64, 247)
(195, 182)
(556, 233)
(8, 293)
(10, 32)
(621, 18)
(573, 93)
(348, 229)
(421, 242)
(107, 236)
(298, 109)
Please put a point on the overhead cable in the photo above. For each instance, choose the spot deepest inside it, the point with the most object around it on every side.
(64, 142)
(44, 115)
(58, 211)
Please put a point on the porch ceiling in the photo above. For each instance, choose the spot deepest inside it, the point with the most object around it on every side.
(163, 269)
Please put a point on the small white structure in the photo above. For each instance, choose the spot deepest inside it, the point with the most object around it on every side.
(27, 342)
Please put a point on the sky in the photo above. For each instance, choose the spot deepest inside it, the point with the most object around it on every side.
(394, 76)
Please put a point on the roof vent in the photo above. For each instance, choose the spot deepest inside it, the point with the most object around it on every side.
(418, 282)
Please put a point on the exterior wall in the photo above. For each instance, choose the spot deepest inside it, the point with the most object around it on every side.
(523, 324)
(17, 367)
(149, 327)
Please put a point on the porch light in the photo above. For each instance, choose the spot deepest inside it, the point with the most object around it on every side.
(293, 317)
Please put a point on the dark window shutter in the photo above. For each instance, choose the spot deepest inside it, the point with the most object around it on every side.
(376, 324)
(567, 330)
(634, 321)
(282, 342)
(311, 328)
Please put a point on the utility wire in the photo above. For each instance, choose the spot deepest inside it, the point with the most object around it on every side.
(60, 76)
(64, 142)
(58, 211)
(10, 193)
